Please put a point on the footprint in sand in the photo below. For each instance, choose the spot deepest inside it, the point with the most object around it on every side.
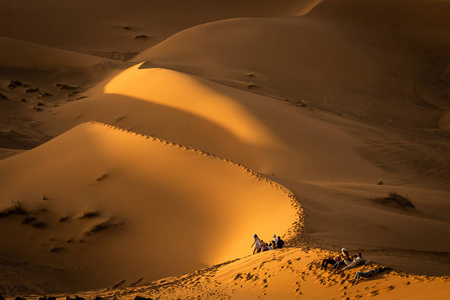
(389, 288)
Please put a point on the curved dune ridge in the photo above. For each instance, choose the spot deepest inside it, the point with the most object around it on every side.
(108, 205)
(163, 87)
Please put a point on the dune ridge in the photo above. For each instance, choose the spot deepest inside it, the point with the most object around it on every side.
(117, 192)
(258, 176)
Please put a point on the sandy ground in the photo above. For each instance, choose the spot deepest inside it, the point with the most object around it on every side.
(290, 273)
(141, 140)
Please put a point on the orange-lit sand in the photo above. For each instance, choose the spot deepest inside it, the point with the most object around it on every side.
(324, 98)
(157, 208)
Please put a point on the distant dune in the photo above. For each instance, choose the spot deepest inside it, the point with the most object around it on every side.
(333, 58)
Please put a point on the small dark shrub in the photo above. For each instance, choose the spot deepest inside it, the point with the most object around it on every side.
(39, 224)
(28, 220)
(97, 228)
(395, 200)
(101, 226)
(3, 97)
(103, 176)
(73, 93)
(90, 214)
(55, 249)
(142, 36)
(17, 209)
(63, 86)
(15, 83)
(32, 90)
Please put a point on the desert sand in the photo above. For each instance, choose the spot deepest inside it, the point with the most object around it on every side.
(143, 143)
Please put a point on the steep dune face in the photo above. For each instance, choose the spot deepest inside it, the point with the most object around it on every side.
(339, 57)
(106, 205)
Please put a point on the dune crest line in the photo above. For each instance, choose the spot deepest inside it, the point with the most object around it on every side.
(298, 227)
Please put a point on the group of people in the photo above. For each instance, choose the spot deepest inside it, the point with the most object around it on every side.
(344, 259)
(261, 246)
(350, 262)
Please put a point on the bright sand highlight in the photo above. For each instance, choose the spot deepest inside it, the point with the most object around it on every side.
(157, 86)
(115, 205)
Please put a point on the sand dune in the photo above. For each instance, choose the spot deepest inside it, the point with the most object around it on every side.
(110, 28)
(299, 158)
(97, 198)
(36, 78)
(286, 274)
(333, 58)
(156, 86)
(342, 102)
(16, 53)
(260, 140)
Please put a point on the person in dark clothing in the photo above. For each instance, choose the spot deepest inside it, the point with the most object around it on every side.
(330, 261)
(280, 243)
(369, 273)
(345, 259)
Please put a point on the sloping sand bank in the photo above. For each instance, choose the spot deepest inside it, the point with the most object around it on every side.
(283, 274)
(104, 205)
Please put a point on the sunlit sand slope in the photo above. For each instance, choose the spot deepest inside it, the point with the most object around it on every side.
(107, 205)
(284, 274)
